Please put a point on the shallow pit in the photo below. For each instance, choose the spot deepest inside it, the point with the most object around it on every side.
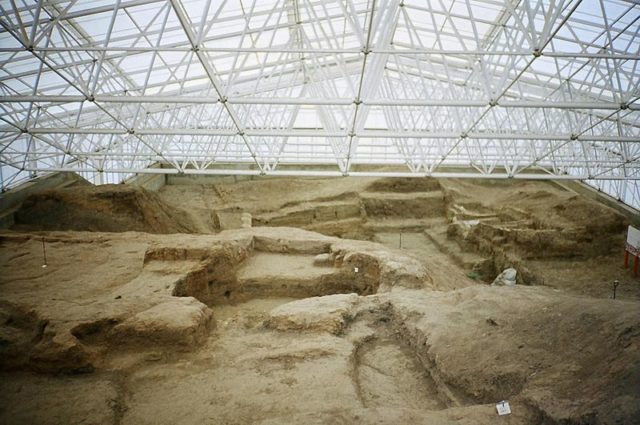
(276, 275)
(269, 275)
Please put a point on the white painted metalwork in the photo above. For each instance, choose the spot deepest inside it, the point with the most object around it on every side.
(538, 89)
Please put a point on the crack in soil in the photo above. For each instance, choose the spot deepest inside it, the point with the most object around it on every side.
(118, 404)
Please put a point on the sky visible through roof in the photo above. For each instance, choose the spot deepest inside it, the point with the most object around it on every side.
(504, 89)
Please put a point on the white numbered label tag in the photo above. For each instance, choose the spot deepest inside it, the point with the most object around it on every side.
(503, 408)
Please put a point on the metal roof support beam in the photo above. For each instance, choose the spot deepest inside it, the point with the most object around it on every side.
(204, 61)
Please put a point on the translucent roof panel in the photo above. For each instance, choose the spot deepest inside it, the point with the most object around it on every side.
(466, 88)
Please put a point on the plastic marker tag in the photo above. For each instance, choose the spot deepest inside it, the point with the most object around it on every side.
(503, 408)
(355, 269)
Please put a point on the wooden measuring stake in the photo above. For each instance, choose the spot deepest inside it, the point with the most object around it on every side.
(44, 255)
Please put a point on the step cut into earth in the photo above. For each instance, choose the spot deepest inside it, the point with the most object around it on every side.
(148, 312)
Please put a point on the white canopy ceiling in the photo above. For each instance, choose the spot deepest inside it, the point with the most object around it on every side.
(481, 88)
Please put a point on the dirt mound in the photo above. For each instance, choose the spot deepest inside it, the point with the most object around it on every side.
(533, 222)
(594, 217)
(19, 330)
(532, 345)
(108, 208)
(404, 185)
(565, 210)
(535, 195)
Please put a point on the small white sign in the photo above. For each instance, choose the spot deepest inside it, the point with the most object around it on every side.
(633, 240)
(503, 408)
(355, 269)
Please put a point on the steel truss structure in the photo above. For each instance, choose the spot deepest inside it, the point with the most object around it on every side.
(540, 89)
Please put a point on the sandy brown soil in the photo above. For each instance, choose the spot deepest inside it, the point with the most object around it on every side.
(552, 235)
(107, 208)
(275, 325)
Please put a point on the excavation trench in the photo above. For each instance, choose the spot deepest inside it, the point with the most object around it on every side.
(384, 367)
(249, 286)
(265, 280)
(387, 371)
(261, 275)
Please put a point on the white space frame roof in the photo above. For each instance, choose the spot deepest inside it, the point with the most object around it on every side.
(481, 88)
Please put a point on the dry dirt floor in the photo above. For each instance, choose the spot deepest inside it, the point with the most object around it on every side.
(364, 301)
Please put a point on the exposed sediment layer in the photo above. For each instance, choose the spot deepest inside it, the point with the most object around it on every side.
(281, 325)
(108, 208)
(209, 270)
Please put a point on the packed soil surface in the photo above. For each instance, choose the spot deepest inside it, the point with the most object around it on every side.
(552, 235)
(349, 301)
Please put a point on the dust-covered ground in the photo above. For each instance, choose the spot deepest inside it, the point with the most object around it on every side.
(179, 322)
(552, 235)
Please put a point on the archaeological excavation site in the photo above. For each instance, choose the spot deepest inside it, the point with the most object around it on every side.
(316, 300)
(274, 212)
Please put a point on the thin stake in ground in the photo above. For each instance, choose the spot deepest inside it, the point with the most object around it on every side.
(44, 254)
